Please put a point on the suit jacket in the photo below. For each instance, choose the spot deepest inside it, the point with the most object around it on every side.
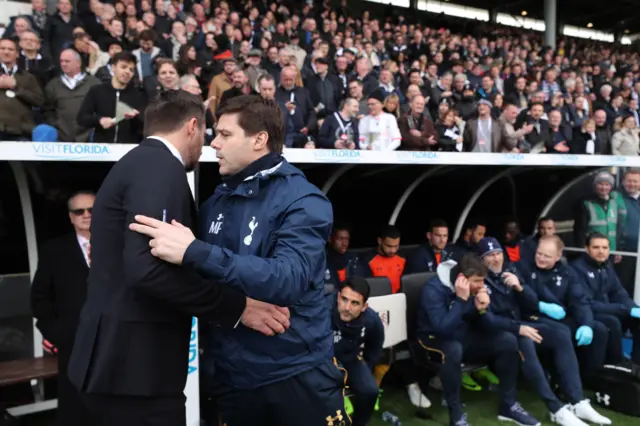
(58, 292)
(471, 132)
(134, 331)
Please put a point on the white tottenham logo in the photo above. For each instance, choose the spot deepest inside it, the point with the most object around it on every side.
(603, 399)
(490, 246)
(252, 226)
(558, 280)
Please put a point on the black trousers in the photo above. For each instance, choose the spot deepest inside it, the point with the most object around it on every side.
(312, 398)
(121, 410)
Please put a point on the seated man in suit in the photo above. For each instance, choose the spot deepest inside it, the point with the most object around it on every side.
(608, 299)
(509, 298)
(451, 306)
(358, 329)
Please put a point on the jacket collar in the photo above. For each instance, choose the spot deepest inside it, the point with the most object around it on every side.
(263, 166)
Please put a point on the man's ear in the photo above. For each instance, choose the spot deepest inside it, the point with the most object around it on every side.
(262, 138)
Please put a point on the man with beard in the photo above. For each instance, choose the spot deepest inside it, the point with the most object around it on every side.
(510, 299)
(341, 265)
(129, 360)
(340, 129)
(427, 256)
(356, 330)
(240, 86)
(546, 226)
(384, 261)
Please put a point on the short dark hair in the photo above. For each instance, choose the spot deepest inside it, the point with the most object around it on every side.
(340, 226)
(124, 56)
(536, 103)
(170, 110)
(390, 231)
(256, 114)
(595, 236)
(474, 223)
(359, 285)
(148, 35)
(12, 40)
(544, 219)
(437, 223)
(471, 264)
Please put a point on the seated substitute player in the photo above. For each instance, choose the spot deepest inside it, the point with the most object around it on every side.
(609, 301)
(451, 305)
(509, 298)
(561, 299)
(358, 329)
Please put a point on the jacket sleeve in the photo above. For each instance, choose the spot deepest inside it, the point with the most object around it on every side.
(444, 317)
(28, 90)
(325, 135)
(87, 116)
(43, 299)
(284, 277)
(409, 141)
(617, 293)
(375, 340)
(149, 191)
(493, 321)
(527, 298)
(578, 304)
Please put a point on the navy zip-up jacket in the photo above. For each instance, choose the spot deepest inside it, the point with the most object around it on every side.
(559, 285)
(441, 313)
(602, 287)
(350, 337)
(423, 259)
(346, 265)
(507, 305)
(265, 235)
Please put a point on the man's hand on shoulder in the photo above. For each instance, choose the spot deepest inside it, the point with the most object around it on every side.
(266, 318)
(169, 241)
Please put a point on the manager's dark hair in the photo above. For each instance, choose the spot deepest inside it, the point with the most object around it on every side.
(168, 112)
(359, 285)
(255, 115)
(470, 264)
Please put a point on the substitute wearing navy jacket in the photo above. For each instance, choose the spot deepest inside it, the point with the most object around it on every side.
(133, 336)
(264, 232)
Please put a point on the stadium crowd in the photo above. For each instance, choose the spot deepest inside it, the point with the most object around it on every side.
(343, 81)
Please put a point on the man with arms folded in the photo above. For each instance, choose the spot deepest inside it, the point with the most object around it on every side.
(263, 232)
(609, 301)
(509, 297)
(131, 352)
(449, 313)
(562, 303)
(358, 329)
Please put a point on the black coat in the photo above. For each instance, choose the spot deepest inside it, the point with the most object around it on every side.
(134, 330)
(58, 293)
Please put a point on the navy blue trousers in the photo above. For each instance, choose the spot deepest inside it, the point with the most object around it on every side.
(314, 398)
(500, 349)
(557, 344)
(365, 391)
(616, 327)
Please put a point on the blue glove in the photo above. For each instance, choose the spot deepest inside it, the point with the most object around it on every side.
(584, 335)
(635, 312)
(552, 310)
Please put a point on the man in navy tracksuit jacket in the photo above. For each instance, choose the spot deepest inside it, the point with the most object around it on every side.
(426, 257)
(342, 264)
(264, 232)
(609, 301)
(509, 299)
(561, 299)
(358, 329)
(449, 315)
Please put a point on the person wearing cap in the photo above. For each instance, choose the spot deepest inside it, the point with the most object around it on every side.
(324, 89)
(253, 69)
(452, 303)
(483, 134)
(296, 50)
(221, 83)
(625, 141)
(604, 212)
(379, 130)
(511, 298)
(358, 336)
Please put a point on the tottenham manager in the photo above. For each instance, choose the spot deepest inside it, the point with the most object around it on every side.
(130, 357)
(263, 232)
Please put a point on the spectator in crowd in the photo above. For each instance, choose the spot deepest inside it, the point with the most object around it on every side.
(146, 54)
(511, 299)
(60, 28)
(267, 86)
(190, 84)
(254, 71)
(378, 130)
(625, 140)
(298, 110)
(609, 301)
(166, 77)
(31, 58)
(603, 132)
(340, 129)
(100, 106)
(418, 131)
(221, 83)
(324, 89)
(483, 134)
(358, 336)
(450, 304)
(64, 97)
(355, 89)
(58, 293)
(240, 86)
(604, 212)
(559, 134)
(19, 93)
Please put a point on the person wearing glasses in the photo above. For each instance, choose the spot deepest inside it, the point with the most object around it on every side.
(58, 292)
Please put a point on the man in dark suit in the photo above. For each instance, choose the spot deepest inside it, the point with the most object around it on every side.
(132, 347)
(58, 292)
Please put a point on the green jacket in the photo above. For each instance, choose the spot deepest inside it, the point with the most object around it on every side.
(607, 220)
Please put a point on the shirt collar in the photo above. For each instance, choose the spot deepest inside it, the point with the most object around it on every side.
(170, 146)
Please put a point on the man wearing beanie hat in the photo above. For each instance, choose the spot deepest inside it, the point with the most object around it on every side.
(452, 305)
(483, 134)
(604, 212)
(378, 130)
(509, 299)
